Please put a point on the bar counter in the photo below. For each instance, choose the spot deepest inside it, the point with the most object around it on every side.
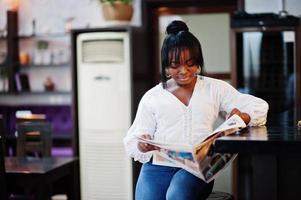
(268, 164)
(275, 140)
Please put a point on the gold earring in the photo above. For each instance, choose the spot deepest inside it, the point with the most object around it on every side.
(198, 71)
(167, 75)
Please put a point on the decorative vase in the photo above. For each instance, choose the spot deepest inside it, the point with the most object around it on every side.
(117, 11)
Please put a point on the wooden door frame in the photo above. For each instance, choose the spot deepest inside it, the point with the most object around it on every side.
(153, 9)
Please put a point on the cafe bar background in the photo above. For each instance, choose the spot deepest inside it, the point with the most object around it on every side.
(67, 96)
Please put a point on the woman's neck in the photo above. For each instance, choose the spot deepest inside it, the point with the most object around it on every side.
(182, 92)
(172, 85)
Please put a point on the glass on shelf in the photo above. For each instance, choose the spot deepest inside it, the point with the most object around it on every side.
(42, 55)
(2, 57)
(3, 84)
(33, 23)
(3, 79)
(3, 32)
(59, 57)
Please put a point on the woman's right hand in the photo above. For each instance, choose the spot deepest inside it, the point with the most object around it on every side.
(145, 147)
(244, 116)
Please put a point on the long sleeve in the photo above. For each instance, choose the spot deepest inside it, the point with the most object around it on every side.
(144, 123)
(257, 108)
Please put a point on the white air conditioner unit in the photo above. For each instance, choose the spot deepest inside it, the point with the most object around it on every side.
(103, 92)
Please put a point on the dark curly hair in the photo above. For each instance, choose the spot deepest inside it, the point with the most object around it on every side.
(179, 38)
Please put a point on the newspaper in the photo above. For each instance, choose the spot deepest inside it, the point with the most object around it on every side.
(200, 158)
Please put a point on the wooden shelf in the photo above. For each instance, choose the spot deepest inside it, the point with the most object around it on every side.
(46, 35)
(43, 92)
(39, 36)
(36, 98)
(63, 65)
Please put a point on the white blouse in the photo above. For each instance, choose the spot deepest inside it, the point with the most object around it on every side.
(163, 116)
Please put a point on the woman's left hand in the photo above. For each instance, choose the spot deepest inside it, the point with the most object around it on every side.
(145, 147)
(244, 116)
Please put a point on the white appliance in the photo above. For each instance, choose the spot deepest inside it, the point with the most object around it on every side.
(103, 70)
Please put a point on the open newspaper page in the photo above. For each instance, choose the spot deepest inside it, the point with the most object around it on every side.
(199, 159)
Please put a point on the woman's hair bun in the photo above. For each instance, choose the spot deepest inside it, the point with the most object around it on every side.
(176, 26)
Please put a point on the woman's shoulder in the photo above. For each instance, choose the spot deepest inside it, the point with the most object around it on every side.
(153, 92)
(218, 87)
(213, 81)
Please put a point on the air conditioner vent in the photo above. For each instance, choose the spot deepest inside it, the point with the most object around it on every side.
(100, 51)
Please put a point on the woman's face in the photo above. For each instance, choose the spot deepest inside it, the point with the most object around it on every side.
(184, 69)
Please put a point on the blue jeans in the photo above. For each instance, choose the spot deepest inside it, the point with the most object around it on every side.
(157, 182)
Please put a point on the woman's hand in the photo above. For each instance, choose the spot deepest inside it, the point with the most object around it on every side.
(145, 147)
(244, 116)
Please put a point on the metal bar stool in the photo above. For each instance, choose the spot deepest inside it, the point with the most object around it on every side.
(217, 195)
